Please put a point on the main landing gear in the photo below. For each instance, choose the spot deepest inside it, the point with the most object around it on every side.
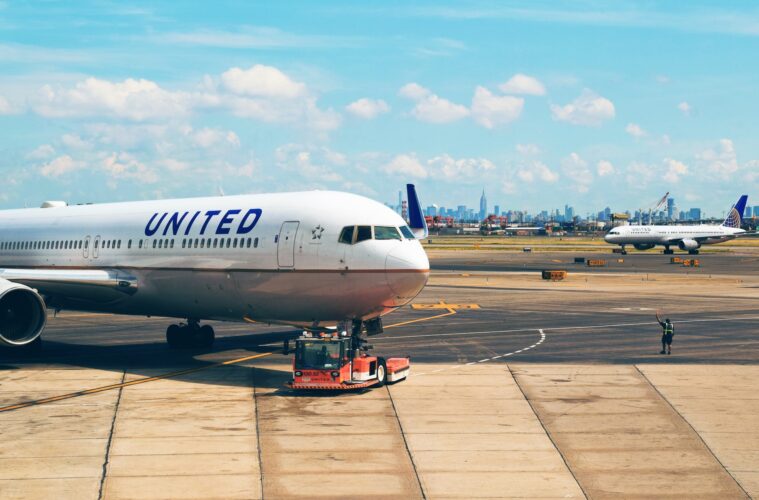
(692, 252)
(668, 251)
(190, 335)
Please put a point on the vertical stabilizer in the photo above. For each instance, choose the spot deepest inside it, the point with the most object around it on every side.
(415, 215)
(735, 215)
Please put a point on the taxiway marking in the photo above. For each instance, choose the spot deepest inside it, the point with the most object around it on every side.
(450, 312)
(104, 388)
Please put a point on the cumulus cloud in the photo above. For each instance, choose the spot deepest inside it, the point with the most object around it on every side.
(490, 110)
(635, 130)
(462, 168)
(721, 161)
(261, 81)
(5, 107)
(406, 165)
(42, 152)
(604, 168)
(674, 170)
(528, 149)
(210, 137)
(367, 108)
(126, 166)
(536, 170)
(430, 107)
(588, 109)
(685, 108)
(314, 163)
(131, 99)
(575, 168)
(61, 165)
(523, 84)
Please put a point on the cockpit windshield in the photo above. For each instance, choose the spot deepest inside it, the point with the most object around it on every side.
(350, 235)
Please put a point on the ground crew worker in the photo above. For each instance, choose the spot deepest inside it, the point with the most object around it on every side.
(668, 331)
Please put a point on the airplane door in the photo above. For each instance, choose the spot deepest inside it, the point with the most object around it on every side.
(286, 244)
(86, 249)
(95, 247)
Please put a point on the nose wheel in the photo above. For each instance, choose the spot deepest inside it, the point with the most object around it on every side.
(190, 335)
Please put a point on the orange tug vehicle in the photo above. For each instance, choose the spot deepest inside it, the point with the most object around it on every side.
(338, 361)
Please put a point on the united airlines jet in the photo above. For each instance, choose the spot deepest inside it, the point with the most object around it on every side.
(685, 237)
(310, 259)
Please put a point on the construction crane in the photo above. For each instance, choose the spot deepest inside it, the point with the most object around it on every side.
(652, 209)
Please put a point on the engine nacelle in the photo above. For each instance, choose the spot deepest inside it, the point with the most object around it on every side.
(23, 314)
(688, 244)
(643, 246)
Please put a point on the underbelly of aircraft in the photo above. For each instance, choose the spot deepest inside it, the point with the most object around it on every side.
(292, 297)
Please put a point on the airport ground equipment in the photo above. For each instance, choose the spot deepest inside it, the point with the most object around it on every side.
(338, 361)
(596, 263)
(554, 274)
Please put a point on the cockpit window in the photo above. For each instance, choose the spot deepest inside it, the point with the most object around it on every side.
(407, 233)
(346, 235)
(386, 233)
(364, 233)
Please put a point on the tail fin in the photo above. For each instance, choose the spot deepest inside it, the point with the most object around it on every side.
(416, 217)
(735, 215)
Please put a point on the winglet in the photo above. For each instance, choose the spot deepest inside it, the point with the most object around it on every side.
(735, 215)
(416, 217)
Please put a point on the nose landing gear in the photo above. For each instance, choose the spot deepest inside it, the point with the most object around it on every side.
(190, 335)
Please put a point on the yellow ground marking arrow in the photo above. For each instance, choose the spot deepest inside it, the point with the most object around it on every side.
(444, 305)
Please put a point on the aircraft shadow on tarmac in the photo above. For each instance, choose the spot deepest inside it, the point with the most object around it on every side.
(156, 358)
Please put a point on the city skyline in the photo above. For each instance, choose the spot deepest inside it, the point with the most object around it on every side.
(581, 103)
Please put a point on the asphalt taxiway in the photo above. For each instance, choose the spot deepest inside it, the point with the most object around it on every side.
(520, 387)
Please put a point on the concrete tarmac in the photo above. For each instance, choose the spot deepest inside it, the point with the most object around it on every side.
(520, 388)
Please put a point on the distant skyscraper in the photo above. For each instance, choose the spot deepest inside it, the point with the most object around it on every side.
(747, 214)
(671, 208)
(497, 210)
(694, 214)
(569, 213)
(483, 205)
(756, 211)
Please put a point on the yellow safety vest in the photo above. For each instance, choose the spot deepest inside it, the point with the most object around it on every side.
(669, 329)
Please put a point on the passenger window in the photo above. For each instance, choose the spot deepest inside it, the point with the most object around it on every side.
(229, 242)
(140, 244)
(363, 233)
(202, 243)
(386, 233)
(346, 235)
(255, 243)
(172, 243)
(234, 243)
(129, 244)
(407, 233)
(155, 243)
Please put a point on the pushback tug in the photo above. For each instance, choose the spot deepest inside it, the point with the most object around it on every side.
(338, 361)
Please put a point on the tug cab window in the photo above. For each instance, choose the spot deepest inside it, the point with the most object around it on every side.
(346, 235)
(386, 233)
(363, 233)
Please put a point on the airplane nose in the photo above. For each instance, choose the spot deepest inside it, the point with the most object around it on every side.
(608, 238)
(407, 269)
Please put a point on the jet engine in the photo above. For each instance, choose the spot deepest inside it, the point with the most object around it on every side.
(688, 244)
(22, 314)
(643, 246)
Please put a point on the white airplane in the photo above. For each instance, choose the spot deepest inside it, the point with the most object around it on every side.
(686, 237)
(310, 259)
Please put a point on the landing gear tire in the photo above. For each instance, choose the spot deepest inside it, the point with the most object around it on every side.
(692, 252)
(668, 251)
(190, 336)
(381, 372)
(206, 336)
(174, 336)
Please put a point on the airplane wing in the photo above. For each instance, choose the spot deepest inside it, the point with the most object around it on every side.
(99, 285)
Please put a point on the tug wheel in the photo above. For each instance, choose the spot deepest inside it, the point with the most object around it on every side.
(381, 372)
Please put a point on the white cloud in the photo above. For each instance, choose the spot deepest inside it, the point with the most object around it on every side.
(74, 141)
(42, 152)
(414, 91)
(635, 130)
(210, 137)
(685, 108)
(5, 107)
(462, 168)
(588, 109)
(406, 166)
(575, 168)
(604, 168)
(490, 110)
(60, 166)
(721, 161)
(639, 174)
(537, 170)
(262, 81)
(523, 84)
(430, 107)
(125, 166)
(528, 149)
(675, 170)
(367, 108)
(131, 99)
(316, 164)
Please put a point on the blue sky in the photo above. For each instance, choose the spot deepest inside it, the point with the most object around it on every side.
(541, 103)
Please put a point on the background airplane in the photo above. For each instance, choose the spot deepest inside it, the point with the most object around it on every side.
(310, 259)
(685, 237)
